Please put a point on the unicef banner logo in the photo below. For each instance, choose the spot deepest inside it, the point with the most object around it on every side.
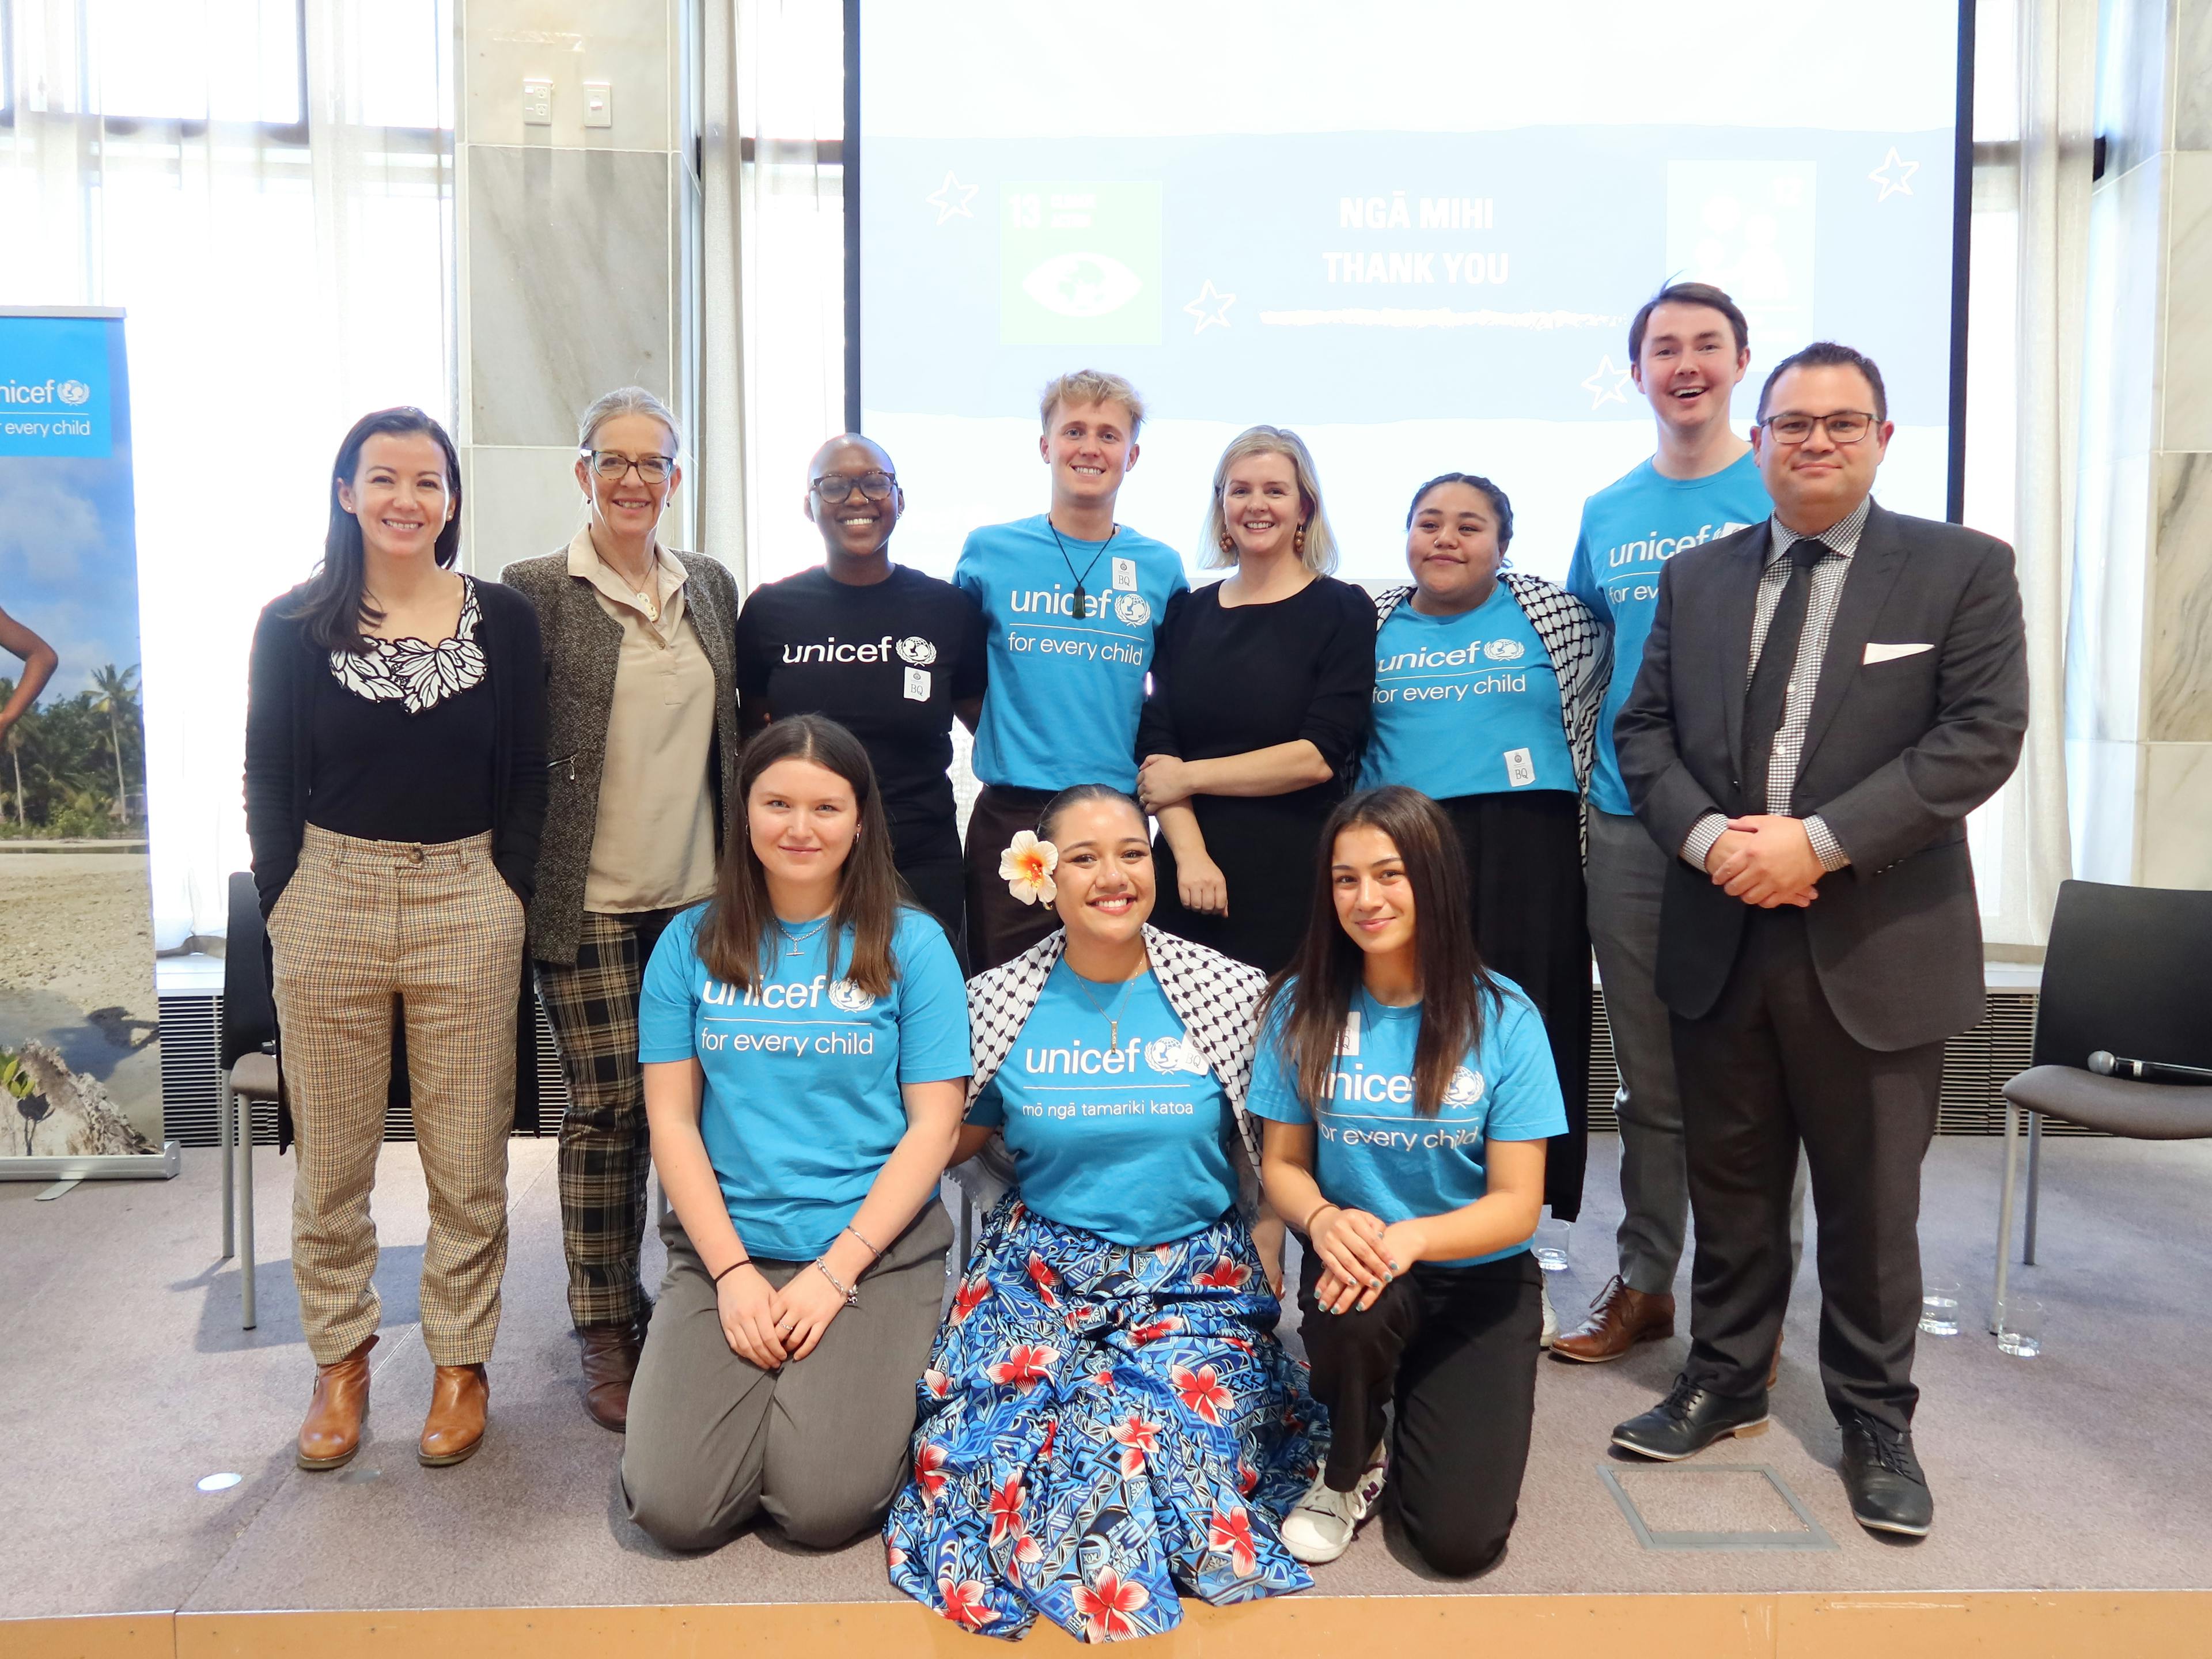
(73, 392)
(916, 652)
(54, 387)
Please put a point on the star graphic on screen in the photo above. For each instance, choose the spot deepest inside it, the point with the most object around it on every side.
(1607, 384)
(1211, 307)
(950, 199)
(1894, 175)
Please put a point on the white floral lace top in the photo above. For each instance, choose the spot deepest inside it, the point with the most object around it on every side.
(413, 672)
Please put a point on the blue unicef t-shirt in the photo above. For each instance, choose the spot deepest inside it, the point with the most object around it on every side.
(1372, 1151)
(1065, 690)
(1466, 705)
(1131, 1140)
(802, 1105)
(1630, 528)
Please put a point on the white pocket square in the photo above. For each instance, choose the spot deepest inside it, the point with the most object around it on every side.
(1892, 652)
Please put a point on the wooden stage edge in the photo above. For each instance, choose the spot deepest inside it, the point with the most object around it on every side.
(1964, 1624)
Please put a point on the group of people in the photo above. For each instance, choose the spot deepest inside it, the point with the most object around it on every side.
(1274, 911)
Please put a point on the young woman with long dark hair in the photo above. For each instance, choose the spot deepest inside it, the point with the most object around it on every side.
(804, 1041)
(1107, 1419)
(395, 788)
(1409, 1093)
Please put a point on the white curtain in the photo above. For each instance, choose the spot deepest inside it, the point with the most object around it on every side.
(275, 213)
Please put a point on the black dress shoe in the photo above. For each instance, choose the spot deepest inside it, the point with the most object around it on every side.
(1689, 1419)
(1888, 1491)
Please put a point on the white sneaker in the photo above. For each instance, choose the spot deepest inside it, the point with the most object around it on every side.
(1320, 1529)
(1550, 1319)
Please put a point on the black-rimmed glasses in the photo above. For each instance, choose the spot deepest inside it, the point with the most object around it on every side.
(834, 487)
(611, 466)
(1845, 426)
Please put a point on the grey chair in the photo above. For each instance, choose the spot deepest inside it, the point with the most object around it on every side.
(249, 1075)
(2129, 971)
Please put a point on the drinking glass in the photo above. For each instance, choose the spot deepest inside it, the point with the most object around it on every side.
(1550, 1244)
(2020, 1327)
(1939, 1307)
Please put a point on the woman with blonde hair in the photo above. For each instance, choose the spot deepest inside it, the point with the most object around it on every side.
(1259, 703)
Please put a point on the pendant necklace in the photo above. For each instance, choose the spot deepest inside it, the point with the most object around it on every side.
(797, 939)
(1113, 1020)
(1070, 563)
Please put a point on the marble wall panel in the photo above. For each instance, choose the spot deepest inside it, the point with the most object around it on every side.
(2187, 388)
(628, 43)
(2192, 76)
(2177, 807)
(570, 286)
(2180, 601)
(520, 503)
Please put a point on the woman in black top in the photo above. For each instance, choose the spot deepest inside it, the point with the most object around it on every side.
(1261, 689)
(395, 788)
(888, 653)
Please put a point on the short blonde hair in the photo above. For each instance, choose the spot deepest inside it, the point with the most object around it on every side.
(1319, 553)
(1092, 385)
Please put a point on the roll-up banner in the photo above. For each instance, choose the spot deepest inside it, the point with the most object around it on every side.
(80, 1052)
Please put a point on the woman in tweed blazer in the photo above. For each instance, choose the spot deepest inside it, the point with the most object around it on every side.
(643, 750)
(1107, 1395)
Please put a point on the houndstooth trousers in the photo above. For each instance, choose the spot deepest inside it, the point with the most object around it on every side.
(363, 925)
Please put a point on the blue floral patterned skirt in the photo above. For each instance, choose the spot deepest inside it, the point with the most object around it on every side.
(1101, 1427)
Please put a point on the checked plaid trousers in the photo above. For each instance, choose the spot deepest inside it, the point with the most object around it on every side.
(606, 1149)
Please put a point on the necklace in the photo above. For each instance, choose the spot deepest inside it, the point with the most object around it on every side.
(797, 939)
(1070, 563)
(1113, 1019)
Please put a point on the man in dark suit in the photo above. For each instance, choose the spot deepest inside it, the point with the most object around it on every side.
(1824, 698)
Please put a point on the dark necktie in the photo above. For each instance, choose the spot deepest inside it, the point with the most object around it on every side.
(1763, 704)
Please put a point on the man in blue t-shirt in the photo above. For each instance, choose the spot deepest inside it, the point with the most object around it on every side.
(1071, 601)
(1688, 347)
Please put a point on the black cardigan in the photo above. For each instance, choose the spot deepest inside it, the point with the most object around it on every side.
(279, 756)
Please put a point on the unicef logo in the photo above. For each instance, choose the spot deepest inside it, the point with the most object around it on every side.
(916, 652)
(73, 392)
(851, 998)
(1466, 1086)
(1168, 1056)
(1132, 609)
(1505, 650)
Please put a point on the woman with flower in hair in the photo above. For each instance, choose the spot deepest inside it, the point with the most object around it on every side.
(1108, 1422)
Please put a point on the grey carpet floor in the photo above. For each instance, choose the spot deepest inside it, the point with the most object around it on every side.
(125, 1378)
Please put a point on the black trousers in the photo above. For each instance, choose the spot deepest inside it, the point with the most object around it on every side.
(929, 863)
(1524, 882)
(1768, 1069)
(1455, 1347)
(999, 925)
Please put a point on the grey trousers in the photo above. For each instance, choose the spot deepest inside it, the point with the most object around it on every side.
(1625, 876)
(819, 1446)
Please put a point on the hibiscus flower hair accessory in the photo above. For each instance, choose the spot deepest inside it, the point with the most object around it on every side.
(1026, 867)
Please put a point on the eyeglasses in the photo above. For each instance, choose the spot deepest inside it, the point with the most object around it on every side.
(1845, 426)
(837, 486)
(653, 469)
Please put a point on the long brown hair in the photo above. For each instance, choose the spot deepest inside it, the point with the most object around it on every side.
(733, 934)
(1315, 990)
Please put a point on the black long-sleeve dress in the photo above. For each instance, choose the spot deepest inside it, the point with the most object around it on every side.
(1227, 680)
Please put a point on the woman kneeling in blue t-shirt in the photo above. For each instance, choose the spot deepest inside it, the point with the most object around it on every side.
(1410, 1093)
(823, 1021)
(1108, 1418)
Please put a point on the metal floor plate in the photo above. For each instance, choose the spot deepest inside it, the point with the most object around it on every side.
(1712, 1506)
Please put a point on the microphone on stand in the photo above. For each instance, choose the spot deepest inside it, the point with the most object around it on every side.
(2146, 1071)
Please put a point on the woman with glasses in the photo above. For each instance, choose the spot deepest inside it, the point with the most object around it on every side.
(888, 653)
(643, 751)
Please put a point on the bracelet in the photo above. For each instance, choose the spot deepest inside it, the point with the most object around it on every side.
(742, 1262)
(1324, 1205)
(852, 1297)
(865, 1245)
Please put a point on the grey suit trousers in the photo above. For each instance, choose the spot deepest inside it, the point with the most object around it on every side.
(819, 1446)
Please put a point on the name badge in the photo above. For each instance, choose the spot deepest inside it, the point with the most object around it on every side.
(917, 685)
(1125, 575)
(1348, 1044)
(1519, 769)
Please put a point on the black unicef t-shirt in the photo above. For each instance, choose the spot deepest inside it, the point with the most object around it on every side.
(888, 661)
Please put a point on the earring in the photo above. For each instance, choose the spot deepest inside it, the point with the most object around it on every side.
(1228, 543)
(1298, 541)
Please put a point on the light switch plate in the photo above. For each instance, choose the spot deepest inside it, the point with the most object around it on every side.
(598, 103)
(537, 102)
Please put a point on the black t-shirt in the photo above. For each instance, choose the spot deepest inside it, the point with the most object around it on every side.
(888, 661)
(383, 773)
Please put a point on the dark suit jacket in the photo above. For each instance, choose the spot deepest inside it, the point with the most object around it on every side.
(1897, 754)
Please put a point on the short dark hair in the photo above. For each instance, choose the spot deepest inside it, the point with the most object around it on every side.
(1499, 504)
(1688, 293)
(1827, 354)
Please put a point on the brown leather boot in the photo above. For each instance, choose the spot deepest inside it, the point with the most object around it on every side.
(611, 1354)
(459, 1397)
(331, 1434)
(1621, 1318)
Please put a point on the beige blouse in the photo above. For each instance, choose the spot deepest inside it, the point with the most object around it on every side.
(653, 845)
